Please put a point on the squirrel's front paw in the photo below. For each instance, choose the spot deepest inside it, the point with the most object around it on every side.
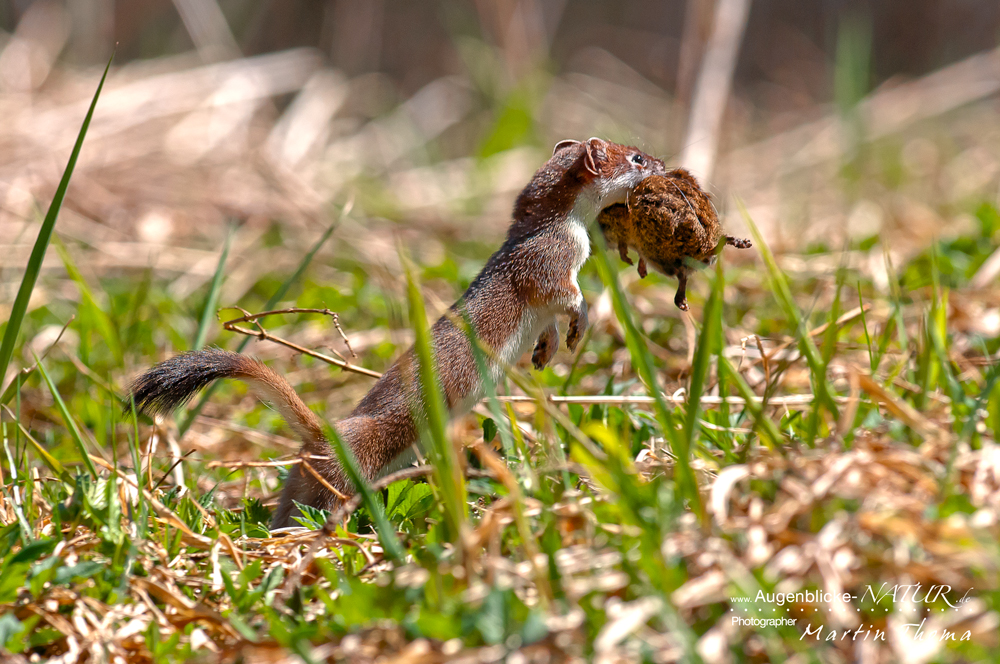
(548, 344)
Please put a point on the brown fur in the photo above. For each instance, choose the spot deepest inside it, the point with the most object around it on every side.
(671, 222)
(533, 270)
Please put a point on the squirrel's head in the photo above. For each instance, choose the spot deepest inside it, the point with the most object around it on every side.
(582, 176)
(613, 169)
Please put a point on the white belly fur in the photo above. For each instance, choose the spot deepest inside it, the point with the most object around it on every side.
(535, 319)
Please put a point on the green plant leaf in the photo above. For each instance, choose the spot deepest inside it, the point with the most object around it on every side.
(311, 517)
(711, 331)
(489, 430)
(408, 499)
(53, 463)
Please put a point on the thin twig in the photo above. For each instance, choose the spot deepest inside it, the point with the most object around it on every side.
(790, 401)
(248, 318)
(172, 466)
(239, 463)
(263, 334)
(319, 478)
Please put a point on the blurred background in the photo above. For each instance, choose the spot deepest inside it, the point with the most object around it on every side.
(866, 126)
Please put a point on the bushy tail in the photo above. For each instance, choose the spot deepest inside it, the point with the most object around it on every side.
(173, 382)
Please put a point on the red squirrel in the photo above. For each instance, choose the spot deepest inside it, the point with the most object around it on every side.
(512, 305)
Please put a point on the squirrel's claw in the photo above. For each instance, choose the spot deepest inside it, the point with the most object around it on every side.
(739, 243)
(642, 268)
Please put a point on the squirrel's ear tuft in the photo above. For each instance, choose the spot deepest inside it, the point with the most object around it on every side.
(569, 142)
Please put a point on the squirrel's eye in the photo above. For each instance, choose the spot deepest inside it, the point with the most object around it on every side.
(638, 160)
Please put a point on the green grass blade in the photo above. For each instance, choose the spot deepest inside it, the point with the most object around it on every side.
(303, 264)
(783, 293)
(442, 454)
(832, 333)
(989, 384)
(141, 519)
(895, 323)
(528, 539)
(20, 306)
(74, 431)
(937, 329)
(134, 310)
(192, 412)
(16, 504)
(711, 330)
(829, 346)
(643, 363)
(14, 389)
(755, 409)
(212, 303)
(386, 533)
(868, 339)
